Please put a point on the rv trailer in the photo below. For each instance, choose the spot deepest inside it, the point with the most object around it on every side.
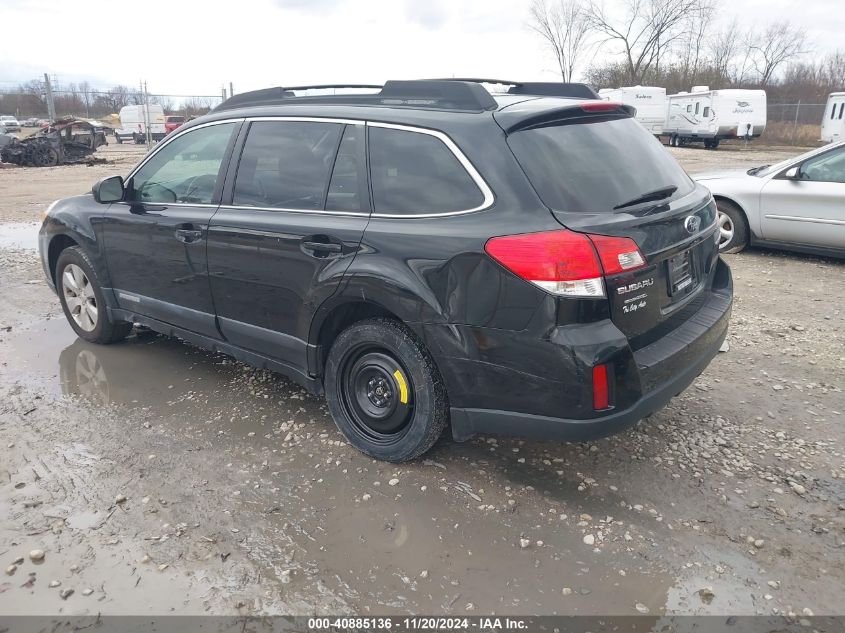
(833, 121)
(709, 116)
(650, 102)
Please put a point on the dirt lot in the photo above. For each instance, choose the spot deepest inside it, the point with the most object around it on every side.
(158, 478)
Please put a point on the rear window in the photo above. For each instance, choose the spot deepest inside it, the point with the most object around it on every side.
(595, 166)
(175, 119)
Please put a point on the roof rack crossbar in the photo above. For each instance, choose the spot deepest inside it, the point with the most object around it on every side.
(503, 82)
(538, 88)
(335, 86)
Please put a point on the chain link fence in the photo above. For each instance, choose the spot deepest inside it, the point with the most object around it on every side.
(99, 104)
(794, 123)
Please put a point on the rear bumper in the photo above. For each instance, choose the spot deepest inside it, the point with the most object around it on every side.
(660, 370)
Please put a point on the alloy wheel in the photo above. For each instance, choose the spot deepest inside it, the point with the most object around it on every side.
(726, 229)
(79, 297)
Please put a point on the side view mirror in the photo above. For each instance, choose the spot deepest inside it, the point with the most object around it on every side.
(108, 190)
(791, 173)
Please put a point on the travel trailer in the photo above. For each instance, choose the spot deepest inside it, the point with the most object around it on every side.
(650, 102)
(133, 123)
(833, 121)
(709, 116)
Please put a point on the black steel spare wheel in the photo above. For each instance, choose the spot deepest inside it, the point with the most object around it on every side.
(377, 393)
(384, 391)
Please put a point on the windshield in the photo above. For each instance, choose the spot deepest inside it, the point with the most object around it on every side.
(772, 169)
(598, 165)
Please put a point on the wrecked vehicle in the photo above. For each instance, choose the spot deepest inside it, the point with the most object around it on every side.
(65, 141)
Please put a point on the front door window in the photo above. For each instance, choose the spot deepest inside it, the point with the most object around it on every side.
(185, 170)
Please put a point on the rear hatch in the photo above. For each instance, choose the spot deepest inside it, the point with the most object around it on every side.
(602, 173)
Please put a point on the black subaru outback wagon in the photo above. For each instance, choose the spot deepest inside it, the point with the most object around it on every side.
(529, 263)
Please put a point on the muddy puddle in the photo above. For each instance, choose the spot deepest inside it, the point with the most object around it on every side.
(20, 235)
(470, 529)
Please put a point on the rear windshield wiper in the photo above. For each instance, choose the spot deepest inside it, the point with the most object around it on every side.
(657, 194)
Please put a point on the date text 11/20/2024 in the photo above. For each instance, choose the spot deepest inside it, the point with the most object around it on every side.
(417, 623)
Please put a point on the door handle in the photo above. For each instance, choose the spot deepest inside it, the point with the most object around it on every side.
(323, 247)
(188, 235)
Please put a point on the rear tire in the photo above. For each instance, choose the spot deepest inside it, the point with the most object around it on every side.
(384, 391)
(733, 227)
(83, 302)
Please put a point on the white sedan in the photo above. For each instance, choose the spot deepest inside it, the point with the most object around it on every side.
(10, 123)
(797, 204)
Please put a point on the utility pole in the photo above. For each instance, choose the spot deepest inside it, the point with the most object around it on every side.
(231, 90)
(51, 105)
(223, 93)
(143, 86)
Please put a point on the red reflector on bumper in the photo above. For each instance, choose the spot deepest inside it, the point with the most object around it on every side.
(601, 391)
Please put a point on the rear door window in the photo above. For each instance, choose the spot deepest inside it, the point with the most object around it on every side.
(414, 173)
(592, 167)
(286, 164)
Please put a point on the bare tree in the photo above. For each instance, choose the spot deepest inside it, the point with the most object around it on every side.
(778, 44)
(696, 34)
(198, 105)
(723, 46)
(165, 102)
(834, 70)
(563, 26)
(85, 89)
(114, 99)
(644, 29)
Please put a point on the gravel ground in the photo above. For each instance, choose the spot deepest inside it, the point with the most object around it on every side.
(158, 478)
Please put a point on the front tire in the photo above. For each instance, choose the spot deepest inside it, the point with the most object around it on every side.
(384, 391)
(733, 227)
(82, 299)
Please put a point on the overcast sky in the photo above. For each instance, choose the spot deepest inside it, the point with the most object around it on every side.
(189, 47)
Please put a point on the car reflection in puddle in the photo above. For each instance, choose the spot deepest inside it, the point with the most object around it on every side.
(83, 374)
(167, 377)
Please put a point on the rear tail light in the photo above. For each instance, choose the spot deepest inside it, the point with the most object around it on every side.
(618, 254)
(566, 263)
(601, 388)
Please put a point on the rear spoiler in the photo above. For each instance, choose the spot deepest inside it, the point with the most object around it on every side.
(523, 119)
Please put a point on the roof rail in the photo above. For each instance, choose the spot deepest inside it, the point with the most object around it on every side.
(434, 94)
(539, 88)
(334, 86)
